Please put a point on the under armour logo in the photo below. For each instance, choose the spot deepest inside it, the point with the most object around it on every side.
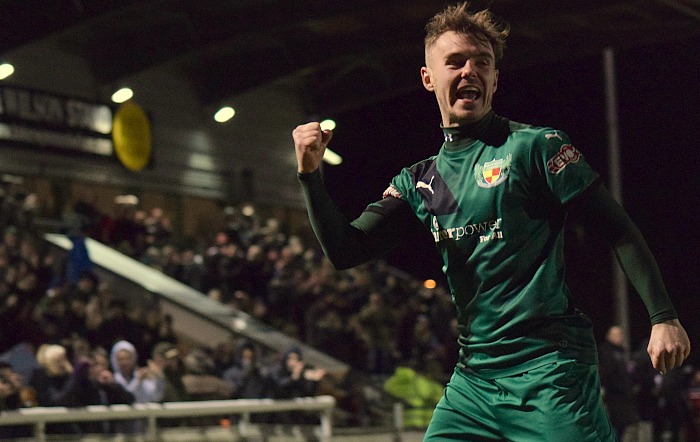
(448, 137)
(554, 135)
(428, 185)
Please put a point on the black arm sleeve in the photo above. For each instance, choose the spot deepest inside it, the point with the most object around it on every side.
(347, 244)
(597, 209)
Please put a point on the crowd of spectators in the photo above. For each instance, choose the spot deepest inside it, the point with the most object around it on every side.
(382, 316)
(67, 339)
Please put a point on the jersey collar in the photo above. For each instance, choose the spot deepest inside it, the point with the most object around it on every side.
(491, 129)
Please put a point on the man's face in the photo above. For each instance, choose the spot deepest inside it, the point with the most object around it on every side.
(461, 71)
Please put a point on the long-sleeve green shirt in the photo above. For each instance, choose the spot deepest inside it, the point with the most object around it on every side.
(495, 199)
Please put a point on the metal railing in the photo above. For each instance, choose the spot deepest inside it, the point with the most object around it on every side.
(151, 412)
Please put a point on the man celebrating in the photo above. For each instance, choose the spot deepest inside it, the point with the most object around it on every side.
(495, 198)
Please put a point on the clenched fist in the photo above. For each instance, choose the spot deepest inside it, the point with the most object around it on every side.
(668, 345)
(310, 144)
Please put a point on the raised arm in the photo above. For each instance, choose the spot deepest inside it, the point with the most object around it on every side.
(309, 145)
(346, 244)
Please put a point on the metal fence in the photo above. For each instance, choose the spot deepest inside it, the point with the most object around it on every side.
(38, 417)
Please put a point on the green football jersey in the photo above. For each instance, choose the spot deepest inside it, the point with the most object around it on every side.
(496, 208)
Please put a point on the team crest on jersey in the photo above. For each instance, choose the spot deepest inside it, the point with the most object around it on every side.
(492, 173)
(391, 191)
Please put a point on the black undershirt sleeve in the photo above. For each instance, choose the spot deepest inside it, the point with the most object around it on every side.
(350, 243)
(597, 210)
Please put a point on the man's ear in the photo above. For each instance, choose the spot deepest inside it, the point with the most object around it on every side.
(426, 79)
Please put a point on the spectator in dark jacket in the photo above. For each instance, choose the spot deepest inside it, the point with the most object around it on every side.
(167, 356)
(247, 378)
(98, 387)
(57, 384)
(293, 377)
(617, 383)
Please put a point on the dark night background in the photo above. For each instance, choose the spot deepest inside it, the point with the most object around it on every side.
(659, 111)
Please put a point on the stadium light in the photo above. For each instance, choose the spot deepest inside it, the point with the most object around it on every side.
(329, 156)
(122, 95)
(224, 114)
(6, 69)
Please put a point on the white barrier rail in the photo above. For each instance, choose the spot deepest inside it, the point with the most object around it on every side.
(151, 412)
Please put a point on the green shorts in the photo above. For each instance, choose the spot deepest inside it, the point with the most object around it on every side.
(556, 402)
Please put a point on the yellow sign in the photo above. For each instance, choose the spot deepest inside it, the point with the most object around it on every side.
(131, 133)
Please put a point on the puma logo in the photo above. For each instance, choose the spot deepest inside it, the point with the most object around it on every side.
(554, 135)
(428, 185)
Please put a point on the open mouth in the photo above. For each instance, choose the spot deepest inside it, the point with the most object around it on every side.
(470, 93)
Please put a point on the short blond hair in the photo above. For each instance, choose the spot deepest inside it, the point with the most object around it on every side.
(54, 359)
(481, 25)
